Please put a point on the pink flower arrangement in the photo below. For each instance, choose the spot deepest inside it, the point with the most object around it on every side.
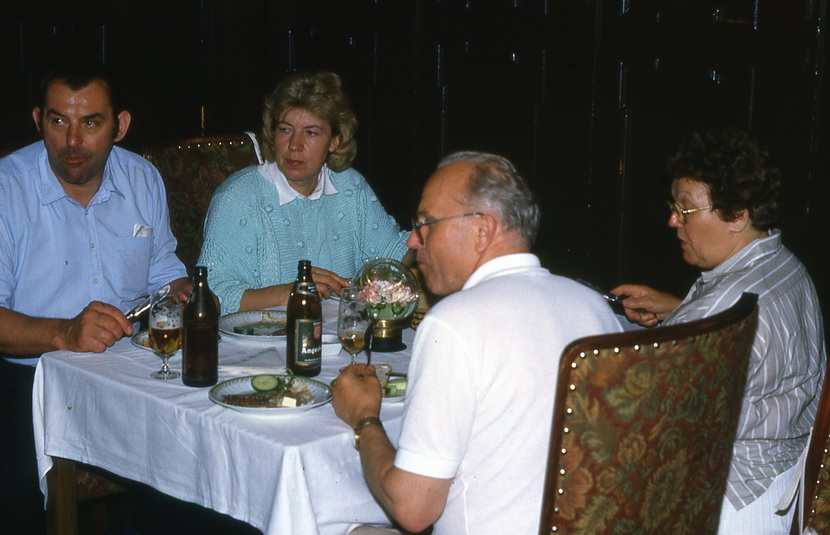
(381, 292)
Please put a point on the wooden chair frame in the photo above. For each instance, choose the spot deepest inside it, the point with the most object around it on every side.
(815, 465)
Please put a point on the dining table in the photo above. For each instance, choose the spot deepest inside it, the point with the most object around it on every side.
(281, 471)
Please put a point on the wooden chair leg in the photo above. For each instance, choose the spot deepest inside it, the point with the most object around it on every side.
(61, 505)
(99, 518)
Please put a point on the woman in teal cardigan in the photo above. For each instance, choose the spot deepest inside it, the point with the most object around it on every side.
(304, 202)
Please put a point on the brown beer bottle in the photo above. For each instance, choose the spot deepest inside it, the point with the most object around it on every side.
(304, 325)
(200, 350)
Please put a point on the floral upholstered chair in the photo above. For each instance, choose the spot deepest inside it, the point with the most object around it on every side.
(191, 170)
(816, 506)
(643, 427)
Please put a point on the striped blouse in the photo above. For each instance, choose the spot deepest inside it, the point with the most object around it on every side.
(787, 363)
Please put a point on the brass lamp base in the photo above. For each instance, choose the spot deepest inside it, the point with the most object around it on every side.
(388, 336)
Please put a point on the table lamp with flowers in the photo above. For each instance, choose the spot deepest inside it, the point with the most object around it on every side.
(392, 290)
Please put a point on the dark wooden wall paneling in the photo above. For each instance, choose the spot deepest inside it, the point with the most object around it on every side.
(587, 97)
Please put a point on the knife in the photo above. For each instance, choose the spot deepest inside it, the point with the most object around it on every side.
(614, 300)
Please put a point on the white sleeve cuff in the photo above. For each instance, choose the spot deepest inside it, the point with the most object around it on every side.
(425, 465)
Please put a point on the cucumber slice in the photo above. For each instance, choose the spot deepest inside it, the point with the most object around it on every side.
(396, 387)
(265, 383)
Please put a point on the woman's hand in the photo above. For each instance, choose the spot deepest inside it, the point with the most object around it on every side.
(328, 282)
(645, 306)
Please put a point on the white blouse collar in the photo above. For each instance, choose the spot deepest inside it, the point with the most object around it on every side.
(286, 193)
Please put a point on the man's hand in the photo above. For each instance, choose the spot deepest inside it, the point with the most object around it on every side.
(328, 282)
(180, 288)
(645, 305)
(356, 393)
(97, 327)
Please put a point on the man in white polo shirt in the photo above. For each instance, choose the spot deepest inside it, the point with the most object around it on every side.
(477, 419)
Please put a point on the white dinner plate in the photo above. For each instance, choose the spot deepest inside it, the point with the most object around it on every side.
(141, 340)
(321, 394)
(264, 320)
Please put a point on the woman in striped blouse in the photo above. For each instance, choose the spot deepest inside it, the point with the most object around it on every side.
(725, 211)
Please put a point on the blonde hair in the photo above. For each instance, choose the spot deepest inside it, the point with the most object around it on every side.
(319, 94)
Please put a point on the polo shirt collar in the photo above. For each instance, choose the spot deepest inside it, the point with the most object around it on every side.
(502, 265)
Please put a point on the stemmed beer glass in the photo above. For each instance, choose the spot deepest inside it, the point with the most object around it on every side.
(354, 322)
(165, 333)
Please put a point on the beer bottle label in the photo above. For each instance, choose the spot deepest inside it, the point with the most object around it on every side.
(308, 346)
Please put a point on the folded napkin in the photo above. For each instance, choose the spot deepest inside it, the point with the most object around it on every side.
(264, 360)
(245, 370)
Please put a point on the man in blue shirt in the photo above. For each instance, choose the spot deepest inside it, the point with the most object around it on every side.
(84, 233)
(84, 227)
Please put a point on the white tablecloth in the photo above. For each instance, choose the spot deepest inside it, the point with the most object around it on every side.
(284, 474)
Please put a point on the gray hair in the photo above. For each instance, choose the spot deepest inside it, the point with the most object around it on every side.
(496, 185)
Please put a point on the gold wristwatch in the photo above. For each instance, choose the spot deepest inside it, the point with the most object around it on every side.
(358, 427)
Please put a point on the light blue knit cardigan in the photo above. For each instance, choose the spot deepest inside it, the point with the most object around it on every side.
(253, 242)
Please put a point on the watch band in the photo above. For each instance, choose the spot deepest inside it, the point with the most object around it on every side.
(358, 427)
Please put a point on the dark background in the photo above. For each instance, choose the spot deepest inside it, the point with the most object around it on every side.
(588, 98)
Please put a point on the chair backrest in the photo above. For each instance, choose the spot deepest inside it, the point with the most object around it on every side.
(191, 170)
(817, 470)
(643, 427)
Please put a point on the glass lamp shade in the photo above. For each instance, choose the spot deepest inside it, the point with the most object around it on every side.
(393, 290)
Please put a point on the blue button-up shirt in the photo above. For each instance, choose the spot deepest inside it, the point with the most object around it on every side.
(56, 255)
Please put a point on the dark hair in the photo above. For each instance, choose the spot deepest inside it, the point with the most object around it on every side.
(320, 94)
(79, 75)
(496, 184)
(735, 169)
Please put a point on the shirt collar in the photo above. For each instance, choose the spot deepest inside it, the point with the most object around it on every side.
(52, 191)
(751, 252)
(502, 265)
(286, 193)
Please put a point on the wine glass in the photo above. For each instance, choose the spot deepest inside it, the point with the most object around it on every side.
(354, 321)
(165, 333)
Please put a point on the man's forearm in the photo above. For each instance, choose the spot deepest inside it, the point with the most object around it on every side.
(97, 327)
(25, 335)
(414, 501)
(377, 456)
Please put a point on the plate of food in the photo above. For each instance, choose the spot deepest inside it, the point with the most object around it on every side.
(395, 387)
(141, 340)
(264, 325)
(270, 394)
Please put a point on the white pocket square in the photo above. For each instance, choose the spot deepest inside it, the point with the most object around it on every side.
(142, 231)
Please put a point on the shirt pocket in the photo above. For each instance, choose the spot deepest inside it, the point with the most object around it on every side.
(131, 268)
